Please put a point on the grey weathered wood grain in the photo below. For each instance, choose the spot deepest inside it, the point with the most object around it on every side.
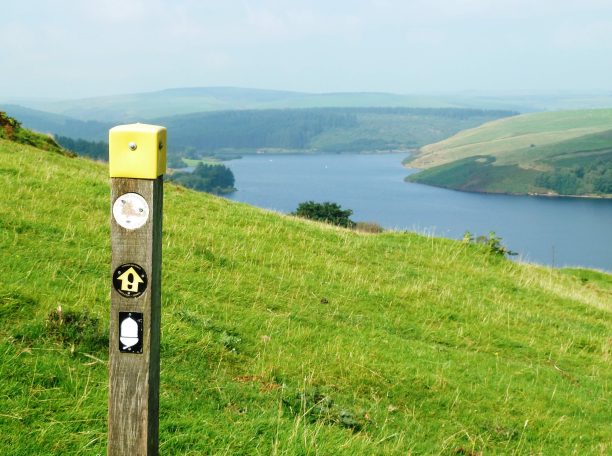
(133, 405)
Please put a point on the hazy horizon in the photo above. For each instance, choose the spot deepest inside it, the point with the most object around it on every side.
(70, 49)
(433, 94)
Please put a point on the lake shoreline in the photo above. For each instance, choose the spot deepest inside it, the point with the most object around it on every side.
(484, 192)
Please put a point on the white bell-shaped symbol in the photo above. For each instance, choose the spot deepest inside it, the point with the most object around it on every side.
(128, 333)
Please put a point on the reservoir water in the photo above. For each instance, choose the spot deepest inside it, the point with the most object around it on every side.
(551, 231)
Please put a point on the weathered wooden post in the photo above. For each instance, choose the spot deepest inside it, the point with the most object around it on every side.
(137, 161)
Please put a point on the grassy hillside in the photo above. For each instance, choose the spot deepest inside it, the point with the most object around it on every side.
(12, 130)
(567, 153)
(282, 336)
(57, 124)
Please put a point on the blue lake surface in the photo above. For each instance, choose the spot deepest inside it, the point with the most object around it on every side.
(551, 231)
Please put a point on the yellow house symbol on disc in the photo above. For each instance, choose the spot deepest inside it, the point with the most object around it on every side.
(130, 280)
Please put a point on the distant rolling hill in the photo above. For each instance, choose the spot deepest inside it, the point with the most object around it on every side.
(237, 132)
(554, 153)
(131, 107)
(58, 124)
(170, 102)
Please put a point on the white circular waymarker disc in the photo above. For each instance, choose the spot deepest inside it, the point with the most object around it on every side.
(131, 211)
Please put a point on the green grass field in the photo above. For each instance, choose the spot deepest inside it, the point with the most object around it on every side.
(567, 153)
(287, 337)
(204, 161)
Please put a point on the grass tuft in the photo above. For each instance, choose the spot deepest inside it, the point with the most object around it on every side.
(74, 328)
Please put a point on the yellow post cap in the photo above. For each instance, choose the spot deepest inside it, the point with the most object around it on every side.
(137, 150)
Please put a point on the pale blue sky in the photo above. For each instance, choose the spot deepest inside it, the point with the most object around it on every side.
(76, 48)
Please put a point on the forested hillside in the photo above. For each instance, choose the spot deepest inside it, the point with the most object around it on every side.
(319, 130)
(316, 130)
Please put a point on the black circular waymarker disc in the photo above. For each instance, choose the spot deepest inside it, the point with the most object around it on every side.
(130, 280)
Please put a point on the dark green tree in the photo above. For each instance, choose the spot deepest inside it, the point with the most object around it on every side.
(325, 212)
(217, 179)
(175, 161)
(97, 150)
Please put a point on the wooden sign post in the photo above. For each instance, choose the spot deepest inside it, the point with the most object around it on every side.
(137, 161)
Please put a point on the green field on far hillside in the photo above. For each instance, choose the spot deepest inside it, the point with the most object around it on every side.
(282, 336)
(553, 153)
